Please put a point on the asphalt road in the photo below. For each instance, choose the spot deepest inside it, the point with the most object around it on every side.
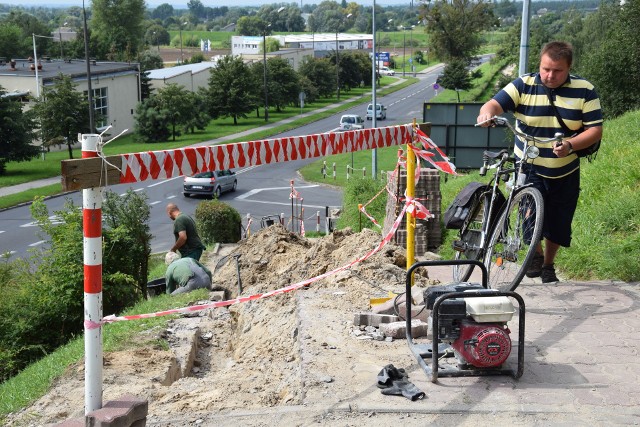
(262, 191)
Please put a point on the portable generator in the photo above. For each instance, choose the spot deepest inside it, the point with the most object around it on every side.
(469, 322)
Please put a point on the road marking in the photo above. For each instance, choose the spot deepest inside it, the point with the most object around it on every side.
(1, 231)
(8, 253)
(37, 243)
(156, 202)
(284, 204)
(162, 182)
(258, 190)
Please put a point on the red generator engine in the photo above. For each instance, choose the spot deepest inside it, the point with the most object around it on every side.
(475, 328)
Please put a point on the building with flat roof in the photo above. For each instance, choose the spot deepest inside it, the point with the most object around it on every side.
(115, 86)
(190, 76)
(321, 44)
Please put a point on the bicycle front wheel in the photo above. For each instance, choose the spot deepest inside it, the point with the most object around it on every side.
(469, 246)
(514, 239)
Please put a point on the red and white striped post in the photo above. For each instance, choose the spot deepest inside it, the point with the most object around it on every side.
(317, 221)
(92, 246)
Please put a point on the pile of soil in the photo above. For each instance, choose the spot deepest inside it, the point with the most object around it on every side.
(296, 348)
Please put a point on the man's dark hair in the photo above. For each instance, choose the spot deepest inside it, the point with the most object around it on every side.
(558, 50)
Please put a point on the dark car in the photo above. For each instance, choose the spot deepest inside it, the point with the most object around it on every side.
(211, 184)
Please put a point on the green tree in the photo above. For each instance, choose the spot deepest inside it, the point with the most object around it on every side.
(162, 12)
(613, 46)
(195, 112)
(16, 132)
(172, 98)
(232, 90)
(117, 26)
(322, 73)
(151, 121)
(62, 112)
(250, 26)
(283, 84)
(196, 8)
(454, 26)
(456, 76)
(157, 35)
(10, 41)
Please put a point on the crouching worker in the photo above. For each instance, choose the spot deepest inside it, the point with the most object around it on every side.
(185, 274)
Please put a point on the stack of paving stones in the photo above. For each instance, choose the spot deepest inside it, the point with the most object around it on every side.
(428, 232)
(386, 321)
(127, 411)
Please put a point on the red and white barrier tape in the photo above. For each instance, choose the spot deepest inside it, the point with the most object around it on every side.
(383, 242)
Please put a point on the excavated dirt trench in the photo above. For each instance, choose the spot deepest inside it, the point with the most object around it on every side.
(294, 350)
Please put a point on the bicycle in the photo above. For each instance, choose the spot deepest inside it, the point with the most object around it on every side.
(503, 232)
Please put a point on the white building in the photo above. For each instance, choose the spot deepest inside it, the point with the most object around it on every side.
(190, 76)
(115, 86)
(321, 44)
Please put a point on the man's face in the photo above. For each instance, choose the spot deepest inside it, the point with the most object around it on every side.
(553, 73)
(170, 214)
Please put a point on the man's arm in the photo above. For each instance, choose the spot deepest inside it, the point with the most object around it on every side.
(583, 140)
(487, 111)
(182, 239)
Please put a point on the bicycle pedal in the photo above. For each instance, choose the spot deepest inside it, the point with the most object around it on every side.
(459, 245)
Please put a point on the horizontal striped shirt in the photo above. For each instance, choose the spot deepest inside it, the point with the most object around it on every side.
(577, 103)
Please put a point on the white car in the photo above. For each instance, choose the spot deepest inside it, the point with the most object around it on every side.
(386, 71)
(381, 112)
(211, 184)
(351, 122)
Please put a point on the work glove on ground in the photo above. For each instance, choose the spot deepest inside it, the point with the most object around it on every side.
(404, 388)
(394, 382)
(390, 373)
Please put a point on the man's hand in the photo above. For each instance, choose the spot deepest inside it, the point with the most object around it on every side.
(484, 120)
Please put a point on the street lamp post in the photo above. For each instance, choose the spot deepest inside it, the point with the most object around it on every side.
(181, 52)
(338, 58)
(264, 69)
(404, 47)
(411, 50)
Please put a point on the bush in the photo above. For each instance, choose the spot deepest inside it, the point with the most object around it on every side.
(218, 222)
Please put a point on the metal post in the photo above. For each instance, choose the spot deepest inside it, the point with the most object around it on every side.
(524, 38)
(374, 153)
(404, 48)
(181, 53)
(35, 64)
(92, 126)
(264, 63)
(337, 70)
(92, 248)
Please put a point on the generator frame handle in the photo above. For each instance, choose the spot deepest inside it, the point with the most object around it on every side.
(434, 371)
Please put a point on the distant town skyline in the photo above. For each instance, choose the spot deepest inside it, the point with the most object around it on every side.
(208, 3)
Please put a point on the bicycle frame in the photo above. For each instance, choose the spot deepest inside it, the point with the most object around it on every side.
(474, 242)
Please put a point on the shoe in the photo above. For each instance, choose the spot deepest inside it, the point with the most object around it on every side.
(548, 274)
(535, 268)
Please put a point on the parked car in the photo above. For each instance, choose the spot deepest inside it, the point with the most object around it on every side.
(211, 184)
(381, 112)
(351, 122)
(386, 71)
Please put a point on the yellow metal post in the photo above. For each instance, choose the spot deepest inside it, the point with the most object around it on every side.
(411, 220)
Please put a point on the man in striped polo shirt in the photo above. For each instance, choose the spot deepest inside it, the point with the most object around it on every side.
(556, 172)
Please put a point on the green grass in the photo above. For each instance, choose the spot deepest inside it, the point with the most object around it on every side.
(34, 381)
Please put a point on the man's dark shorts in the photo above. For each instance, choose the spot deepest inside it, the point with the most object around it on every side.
(560, 200)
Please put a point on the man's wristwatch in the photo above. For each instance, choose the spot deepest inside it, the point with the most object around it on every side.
(570, 146)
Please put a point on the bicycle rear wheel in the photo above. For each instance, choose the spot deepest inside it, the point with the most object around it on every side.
(468, 246)
(514, 240)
